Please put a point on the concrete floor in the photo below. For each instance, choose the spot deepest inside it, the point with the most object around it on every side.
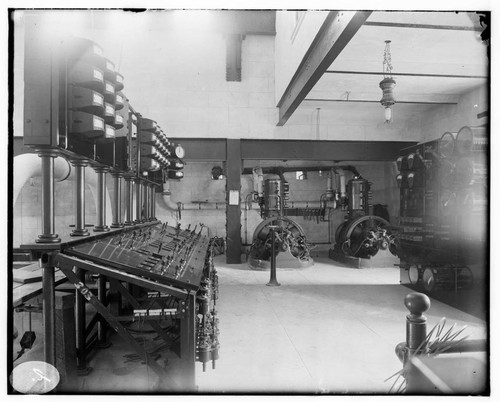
(326, 329)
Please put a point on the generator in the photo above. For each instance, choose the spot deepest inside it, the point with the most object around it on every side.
(362, 234)
(292, 248)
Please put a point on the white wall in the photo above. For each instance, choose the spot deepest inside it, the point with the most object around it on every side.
(293, 38)
(451, 118)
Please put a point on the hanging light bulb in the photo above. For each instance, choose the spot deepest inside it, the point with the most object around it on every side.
(387, 84)
(388, 114)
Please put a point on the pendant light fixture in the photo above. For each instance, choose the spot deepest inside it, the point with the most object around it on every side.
(387, 84)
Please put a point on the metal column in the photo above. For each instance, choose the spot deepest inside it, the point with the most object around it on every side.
(100, 225)
(145, 201)
(188, 341)
(129, 201)
(152, 200)
(79, 229)
(102, 327)
(80, 327)
(49, 306)
(138, 200)
(117, 200)
(48, 225)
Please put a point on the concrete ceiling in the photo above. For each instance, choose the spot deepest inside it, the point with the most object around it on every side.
(436, 57)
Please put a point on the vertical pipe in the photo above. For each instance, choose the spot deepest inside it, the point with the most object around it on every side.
(48, 220)
(49, 308)
(117, 200)
(101, 200)
(138, 200)
(79, 229)
(129, 201)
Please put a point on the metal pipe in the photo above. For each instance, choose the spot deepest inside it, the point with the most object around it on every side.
(117, 200)
(138, 200)
(79, 229)
(129, 201)
(100, 225)
(48, 221)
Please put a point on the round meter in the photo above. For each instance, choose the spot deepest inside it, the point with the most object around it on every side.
(179, 152)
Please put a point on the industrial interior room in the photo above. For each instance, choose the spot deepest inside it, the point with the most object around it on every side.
(249, 202)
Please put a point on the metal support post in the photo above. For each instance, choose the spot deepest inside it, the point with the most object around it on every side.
(188, 341)
(49, 307)
(48, 225)
(80, 327)
(145, 201)
(101, 200)
(273, 281)
(117, 200)
(79, 229)
(102, 327)
(138, 200)
(129, 201)
(152, 201)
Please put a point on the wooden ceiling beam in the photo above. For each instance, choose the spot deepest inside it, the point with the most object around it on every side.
(337, 30)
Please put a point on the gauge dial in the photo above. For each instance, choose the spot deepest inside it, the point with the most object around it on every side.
(179, 152)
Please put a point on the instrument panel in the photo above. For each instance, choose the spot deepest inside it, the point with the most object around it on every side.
(167, 254)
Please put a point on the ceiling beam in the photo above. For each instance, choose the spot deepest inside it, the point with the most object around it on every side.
(422, 26)
(377, 101)
(314, 150)
(335, 33)
(407, 74)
